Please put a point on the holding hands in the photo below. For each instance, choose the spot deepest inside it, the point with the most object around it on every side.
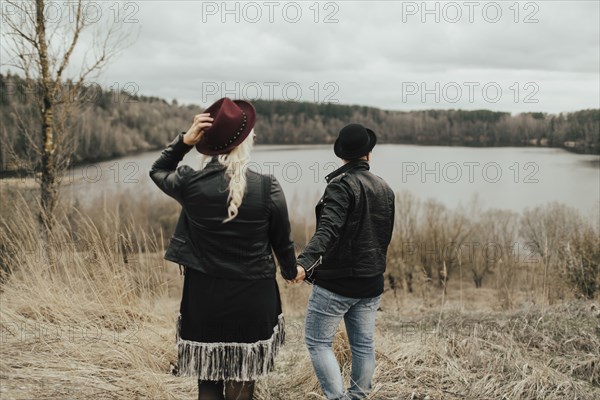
(300, 275)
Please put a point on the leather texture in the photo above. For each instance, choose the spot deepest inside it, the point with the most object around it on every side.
(355, 221)
(239, 249)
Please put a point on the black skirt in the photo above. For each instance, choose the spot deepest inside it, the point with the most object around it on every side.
(228, 329)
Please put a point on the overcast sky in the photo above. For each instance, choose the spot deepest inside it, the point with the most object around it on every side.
(399, 55)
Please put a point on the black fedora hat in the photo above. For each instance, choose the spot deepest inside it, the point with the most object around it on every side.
(354, 141)
(233, 121)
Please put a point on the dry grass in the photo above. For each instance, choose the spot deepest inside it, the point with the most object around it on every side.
(93, 324)
(528, 353)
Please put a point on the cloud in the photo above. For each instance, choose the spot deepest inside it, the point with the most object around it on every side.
(367, 52)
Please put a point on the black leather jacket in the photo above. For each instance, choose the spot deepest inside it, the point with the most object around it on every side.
(355, 219)
(238, 249)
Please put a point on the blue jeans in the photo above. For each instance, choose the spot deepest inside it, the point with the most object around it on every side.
(325, 310)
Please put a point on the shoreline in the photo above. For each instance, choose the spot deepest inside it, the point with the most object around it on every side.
(25, 174)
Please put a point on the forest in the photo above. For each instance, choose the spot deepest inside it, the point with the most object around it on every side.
(103, 123)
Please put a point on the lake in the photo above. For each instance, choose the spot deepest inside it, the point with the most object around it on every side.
(508, 177)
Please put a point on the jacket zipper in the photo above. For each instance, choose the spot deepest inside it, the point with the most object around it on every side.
(309, 270)
(316, 263)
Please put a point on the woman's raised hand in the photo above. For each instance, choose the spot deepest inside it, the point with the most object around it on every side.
(196, 131)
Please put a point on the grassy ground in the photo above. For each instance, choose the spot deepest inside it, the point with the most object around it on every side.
(95, 319)
(92, 334)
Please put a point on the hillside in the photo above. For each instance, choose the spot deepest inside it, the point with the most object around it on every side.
(105, 123)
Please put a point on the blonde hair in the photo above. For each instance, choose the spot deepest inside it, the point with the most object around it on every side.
(235, 162)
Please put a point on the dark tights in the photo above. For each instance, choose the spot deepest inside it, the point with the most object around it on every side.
(234, 390)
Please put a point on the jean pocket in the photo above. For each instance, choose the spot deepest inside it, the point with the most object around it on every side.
(319, 299)
(373, 303)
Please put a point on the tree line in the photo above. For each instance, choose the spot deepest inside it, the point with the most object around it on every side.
(109, 122)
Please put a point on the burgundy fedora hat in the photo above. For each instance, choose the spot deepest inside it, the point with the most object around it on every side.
(232, 122)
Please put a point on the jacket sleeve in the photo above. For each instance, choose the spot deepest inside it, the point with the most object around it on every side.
(393, 211)
(338, 200)
(280, 231)
(165, 173)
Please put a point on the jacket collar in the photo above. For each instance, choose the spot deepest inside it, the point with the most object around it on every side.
(213, 164)
(355, 164)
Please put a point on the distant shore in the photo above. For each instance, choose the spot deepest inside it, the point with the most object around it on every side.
(24, 173)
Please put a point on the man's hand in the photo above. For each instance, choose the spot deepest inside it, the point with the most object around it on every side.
(196, 131)
(300, 274)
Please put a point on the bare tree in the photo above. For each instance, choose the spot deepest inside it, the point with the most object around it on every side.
(581, 259)
(403, 254)
(495, 232)
(434, 220)
(41, 41)
(457, 230)
(547, 229)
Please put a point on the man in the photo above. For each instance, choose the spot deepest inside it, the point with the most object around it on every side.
(346, 259)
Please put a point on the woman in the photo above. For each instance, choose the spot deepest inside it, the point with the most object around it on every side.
(230, 326)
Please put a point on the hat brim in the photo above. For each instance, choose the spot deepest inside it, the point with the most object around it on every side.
(366, 149)
(250, 111)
